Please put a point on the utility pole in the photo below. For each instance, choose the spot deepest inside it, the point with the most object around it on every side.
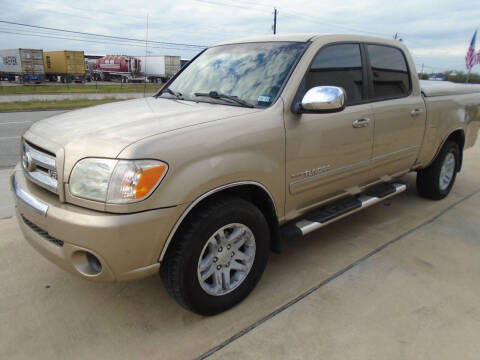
(275, 12)
(421, 73)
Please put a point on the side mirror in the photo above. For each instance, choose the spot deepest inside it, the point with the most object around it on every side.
(322, 99)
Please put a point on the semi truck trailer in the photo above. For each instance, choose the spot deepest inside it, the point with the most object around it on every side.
(117, 67)
(136, 68)
(24, 65)
(65, 65)
(159, 68)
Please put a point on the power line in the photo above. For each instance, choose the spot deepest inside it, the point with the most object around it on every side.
(96, 41)
(310, 18)
(255, 6)
(102, 35)
(316, 20)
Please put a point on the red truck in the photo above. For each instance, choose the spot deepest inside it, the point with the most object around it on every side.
(117, 67)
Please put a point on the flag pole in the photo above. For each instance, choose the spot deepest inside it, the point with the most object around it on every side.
(470, 59)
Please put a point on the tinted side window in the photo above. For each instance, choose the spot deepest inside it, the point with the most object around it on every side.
(389, 71)
(338, 65)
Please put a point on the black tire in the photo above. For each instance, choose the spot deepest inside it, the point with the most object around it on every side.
(428, 179)
(179, 266)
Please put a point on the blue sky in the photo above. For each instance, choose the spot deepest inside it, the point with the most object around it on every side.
(437, 32)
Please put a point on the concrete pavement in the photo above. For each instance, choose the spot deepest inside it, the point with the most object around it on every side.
(6, 198)
(398, 280)
(417, 299)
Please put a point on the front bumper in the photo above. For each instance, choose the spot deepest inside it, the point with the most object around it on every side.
(127, 246)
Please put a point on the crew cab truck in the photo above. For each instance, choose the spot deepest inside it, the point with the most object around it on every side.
(253, 142)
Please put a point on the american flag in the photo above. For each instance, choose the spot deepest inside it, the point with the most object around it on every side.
(471, 59)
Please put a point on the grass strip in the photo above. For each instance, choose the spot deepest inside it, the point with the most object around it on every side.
(53, 104)
(77, 88)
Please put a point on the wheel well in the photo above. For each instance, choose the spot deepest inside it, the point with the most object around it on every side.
(262, 200)
(252, 193)
(458, 136)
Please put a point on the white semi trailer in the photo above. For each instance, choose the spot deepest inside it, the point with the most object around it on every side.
(159, 68)
(23, 64)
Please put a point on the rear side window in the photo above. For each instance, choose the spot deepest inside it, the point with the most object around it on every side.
(389, 72)
(338, 65)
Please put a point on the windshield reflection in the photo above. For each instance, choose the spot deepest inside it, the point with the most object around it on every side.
(253, 72)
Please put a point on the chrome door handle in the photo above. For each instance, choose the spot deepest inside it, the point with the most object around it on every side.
(360, 123)
(416, 112)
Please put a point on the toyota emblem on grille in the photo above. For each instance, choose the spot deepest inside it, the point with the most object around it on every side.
(27, 161)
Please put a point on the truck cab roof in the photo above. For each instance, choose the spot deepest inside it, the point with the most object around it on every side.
(304, 37)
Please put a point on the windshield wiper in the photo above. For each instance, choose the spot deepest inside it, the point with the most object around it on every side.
(174, 93)
(216, 95)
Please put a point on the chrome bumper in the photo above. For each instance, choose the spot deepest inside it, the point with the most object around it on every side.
(35, 204)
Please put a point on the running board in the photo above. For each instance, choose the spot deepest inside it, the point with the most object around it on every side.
(338, 210)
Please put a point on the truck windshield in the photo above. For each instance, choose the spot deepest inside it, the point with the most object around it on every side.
(251, 72)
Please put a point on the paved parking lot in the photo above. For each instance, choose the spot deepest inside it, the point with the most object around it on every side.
(395, 281)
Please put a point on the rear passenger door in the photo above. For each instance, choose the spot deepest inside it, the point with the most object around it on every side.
(399, 114)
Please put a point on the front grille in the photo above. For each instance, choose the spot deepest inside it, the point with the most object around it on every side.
(40, 166)
(42, 232)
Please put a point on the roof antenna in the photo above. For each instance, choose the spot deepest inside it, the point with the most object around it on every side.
(145, 68)
(274, 26)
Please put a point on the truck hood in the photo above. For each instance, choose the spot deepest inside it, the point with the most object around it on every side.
(103, 131)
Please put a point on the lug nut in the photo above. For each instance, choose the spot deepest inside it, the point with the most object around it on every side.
(218, 267)
(228, 264)
(215, 259)
(228, 247)
(220, 249)
(233, 253)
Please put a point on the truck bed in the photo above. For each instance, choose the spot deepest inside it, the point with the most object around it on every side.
(441, 88)
(450, 106)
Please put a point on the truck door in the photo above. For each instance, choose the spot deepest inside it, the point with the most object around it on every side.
(399, 111)
(328, 153)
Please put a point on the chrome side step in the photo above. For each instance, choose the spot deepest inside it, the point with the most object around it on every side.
(333, 213)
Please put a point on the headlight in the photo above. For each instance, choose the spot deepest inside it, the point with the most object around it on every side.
(90, 178)
(116, 181)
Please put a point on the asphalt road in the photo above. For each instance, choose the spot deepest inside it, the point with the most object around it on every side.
(12, 127)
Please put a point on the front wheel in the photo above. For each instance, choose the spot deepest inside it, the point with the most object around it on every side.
(217, 257)
(436, 181)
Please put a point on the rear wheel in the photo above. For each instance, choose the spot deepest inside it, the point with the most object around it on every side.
(436, 181)
(217, 257)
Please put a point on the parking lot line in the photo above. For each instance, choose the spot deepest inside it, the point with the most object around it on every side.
(331, 278)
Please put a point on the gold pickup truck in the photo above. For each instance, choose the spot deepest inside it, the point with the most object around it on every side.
(255, 141)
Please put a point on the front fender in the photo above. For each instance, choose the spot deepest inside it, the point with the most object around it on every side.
(210, 155)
